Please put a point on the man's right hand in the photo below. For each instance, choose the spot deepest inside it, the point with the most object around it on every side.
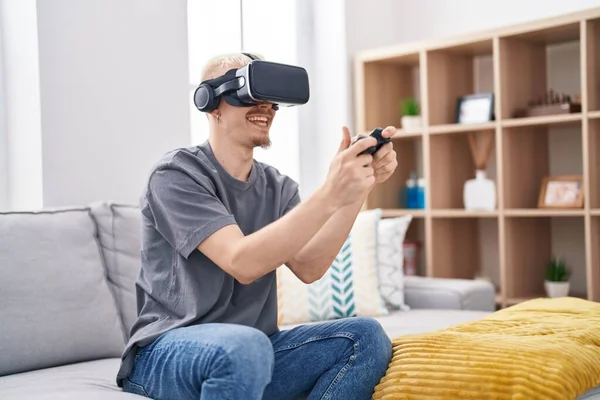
(350, 176)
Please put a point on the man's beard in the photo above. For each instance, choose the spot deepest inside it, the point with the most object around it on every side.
(261, 141)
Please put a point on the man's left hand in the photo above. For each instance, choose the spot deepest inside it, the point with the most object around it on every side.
(384, 161)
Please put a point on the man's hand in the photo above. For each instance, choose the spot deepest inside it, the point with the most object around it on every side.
(384, 161)
(350, 176)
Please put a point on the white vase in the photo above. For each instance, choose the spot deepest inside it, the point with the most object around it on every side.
(557, 289)
(479, 194)
(411, 123)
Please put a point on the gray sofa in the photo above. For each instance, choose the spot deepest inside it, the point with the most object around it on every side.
(67, 301)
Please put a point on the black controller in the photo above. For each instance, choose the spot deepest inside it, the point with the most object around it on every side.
(380, 142)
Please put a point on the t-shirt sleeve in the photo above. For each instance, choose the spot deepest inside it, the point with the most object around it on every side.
(291, 193)
(184, 211)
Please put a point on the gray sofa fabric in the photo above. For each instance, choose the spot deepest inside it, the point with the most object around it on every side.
(56, 307)
(93, 380)
(119, 232)
(451, 294)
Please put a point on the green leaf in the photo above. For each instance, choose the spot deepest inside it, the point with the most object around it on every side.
(410, 107)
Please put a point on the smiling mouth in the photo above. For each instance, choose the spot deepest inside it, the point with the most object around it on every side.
(259, 120)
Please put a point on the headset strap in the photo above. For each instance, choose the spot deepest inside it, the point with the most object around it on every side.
(251, 56)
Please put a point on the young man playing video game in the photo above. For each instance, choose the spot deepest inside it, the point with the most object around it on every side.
(216, 226)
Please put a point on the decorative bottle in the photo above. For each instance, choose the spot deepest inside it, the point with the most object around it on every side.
(420, 193)
(480, 193)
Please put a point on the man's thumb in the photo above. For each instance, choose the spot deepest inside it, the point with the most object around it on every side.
(346, 139)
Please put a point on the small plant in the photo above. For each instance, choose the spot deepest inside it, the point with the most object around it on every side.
(410, 107)
(557, 271)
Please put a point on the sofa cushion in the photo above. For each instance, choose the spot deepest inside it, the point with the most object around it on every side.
(55, 304)
(390, 260)
(398, 323)
(119, 228)
(93, 380)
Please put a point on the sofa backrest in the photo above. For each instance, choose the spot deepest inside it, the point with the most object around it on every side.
(56, 306)
(119, 229)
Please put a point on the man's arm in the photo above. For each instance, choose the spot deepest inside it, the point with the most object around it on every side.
(313, 260)
(249, 257)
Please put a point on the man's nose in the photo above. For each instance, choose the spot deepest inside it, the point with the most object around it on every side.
(267, 105)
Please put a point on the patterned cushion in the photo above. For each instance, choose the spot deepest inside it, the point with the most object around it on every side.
(349, 288)
(390, 254)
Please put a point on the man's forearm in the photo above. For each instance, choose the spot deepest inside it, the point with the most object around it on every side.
(275, 244)
(313, 260)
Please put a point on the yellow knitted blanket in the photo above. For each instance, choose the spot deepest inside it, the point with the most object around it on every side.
(538, 349)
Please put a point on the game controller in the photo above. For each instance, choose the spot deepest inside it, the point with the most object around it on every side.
(380, 141)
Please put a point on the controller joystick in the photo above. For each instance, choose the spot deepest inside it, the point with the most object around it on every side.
(380, 141)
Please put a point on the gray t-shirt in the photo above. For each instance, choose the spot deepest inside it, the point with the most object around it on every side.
(189, 196)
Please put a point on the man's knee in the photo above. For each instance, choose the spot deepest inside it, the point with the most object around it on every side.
(246, 353)
(372, 339)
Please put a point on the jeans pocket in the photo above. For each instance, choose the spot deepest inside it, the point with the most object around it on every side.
(132, 387)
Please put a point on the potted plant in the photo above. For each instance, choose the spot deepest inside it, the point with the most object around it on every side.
(557, 278)
(411, 115)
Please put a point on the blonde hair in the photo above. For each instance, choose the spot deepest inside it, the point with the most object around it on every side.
(222, 63)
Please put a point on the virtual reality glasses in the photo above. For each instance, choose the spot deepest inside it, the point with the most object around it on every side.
(258, 81)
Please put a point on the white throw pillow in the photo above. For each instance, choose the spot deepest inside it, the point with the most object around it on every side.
(390, 266)
(349, 288)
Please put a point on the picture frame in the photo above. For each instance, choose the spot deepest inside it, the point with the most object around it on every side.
(562, 192)
(475, 108)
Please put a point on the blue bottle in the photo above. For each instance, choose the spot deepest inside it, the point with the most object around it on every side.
(410, 193)
(420, 194)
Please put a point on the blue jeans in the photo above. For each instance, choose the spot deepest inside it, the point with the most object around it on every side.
(342, 359)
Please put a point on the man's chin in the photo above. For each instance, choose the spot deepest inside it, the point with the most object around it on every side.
(263, 142)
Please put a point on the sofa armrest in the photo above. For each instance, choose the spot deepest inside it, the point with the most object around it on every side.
(444, 293)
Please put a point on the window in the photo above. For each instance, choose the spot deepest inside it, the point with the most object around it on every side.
(266, 27)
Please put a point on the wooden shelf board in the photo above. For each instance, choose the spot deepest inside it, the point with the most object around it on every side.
(595, 212)
(457, 128)
(400, 212)
(536, 212)
(551, 35)
(458, 213)
(401, 134)
(593, 114)
(542, 120)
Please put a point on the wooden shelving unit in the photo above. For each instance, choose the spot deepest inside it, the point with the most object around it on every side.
(511, 245)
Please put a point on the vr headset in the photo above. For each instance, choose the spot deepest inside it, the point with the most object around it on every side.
(258, 81)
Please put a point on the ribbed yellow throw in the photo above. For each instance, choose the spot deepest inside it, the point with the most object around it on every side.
(538, 349)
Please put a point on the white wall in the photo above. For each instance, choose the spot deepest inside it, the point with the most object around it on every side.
(114, 94)
(96, 91)
(21, 101)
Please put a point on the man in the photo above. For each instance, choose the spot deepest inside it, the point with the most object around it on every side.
(216, 226)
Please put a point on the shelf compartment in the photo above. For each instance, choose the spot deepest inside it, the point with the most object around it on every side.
(532, 242)
(594, 163)
(386, 84)
(593, 64)
(534, 62)
(451, 165)
(390, 194)
(466, 248)
(454, 72)
(594, 273)
(531, 153)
